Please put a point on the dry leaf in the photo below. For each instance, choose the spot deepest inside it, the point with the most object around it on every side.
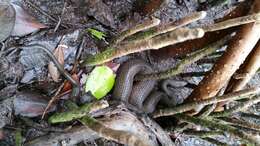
(29, 104)
(7, 20)
(59, 54)
(24, 23)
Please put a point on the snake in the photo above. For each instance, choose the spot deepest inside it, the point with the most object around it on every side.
(140, 94)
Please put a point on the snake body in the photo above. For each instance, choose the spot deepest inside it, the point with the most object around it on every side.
(137, 93)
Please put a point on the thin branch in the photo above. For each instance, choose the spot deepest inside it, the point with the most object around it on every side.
(240, 123)
(232, 22)
(189, 106)
(195, 56)
(214, 141)
(145, 25)
(202, 134)
(240, 107)
(214, 125)
(152, 32)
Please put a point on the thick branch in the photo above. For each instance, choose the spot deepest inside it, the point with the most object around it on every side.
(248, 70)
(170, 38)
(237, 51)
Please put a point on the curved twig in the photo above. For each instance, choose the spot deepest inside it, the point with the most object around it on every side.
(75, 84)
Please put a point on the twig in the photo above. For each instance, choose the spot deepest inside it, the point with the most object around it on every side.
(240, 107)
(168, 27)
(75, 84)
(240, 123)
(214, 125)
(53, 99)
(189, 106)
(145, 25)
(214, 141)
(249, 115)
(192, 74)
(195, 56)
(202, 134)
(207, 110)
(232, 22)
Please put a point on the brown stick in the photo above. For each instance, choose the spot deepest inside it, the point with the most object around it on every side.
(237, 51)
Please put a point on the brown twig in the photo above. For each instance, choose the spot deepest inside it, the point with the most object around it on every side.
(53, 99)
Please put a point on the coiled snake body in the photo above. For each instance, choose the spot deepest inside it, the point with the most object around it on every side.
(137, 93)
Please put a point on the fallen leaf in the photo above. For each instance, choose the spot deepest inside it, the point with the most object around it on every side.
(2, 135)
(67, 85)
(24, 23)
(7, 20)
(30, 104)
(59, 54)
(100, 81)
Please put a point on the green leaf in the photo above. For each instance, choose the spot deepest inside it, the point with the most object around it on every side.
(100, 81)
(97, 34)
